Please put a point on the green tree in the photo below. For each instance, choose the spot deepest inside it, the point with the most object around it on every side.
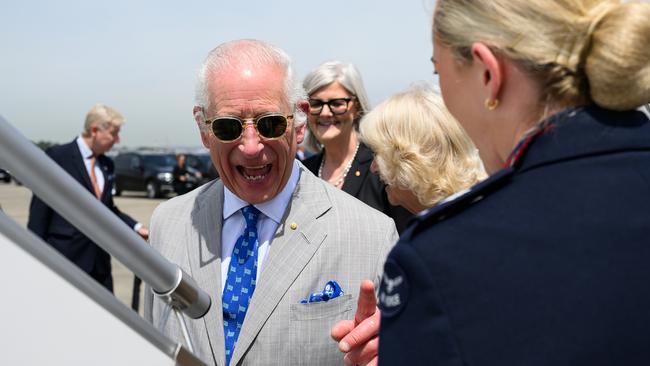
(44, 145)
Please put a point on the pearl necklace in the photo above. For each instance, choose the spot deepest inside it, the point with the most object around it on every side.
(339, 182)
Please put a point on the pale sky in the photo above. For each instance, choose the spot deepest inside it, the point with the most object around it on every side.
(59, 58)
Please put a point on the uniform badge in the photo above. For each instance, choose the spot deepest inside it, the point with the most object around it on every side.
(394, 289)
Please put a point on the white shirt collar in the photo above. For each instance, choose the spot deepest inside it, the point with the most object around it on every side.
(273, 209)
(86, 153)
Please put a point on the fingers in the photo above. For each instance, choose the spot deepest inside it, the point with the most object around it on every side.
(374, 362)
(363, 354)
(367, 301)
(366, 306)
(358, 338)
(144, 233)
(362, 333)
(341, 329)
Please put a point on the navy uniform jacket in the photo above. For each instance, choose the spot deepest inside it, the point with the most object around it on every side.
(545, 263)
(366, 186)
(62, 235)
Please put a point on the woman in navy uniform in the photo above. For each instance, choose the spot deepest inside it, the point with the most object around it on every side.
(547, 262)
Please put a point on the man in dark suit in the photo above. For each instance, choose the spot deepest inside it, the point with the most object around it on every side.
(85, 161)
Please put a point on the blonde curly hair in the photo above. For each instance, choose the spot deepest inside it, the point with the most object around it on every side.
(420, 147)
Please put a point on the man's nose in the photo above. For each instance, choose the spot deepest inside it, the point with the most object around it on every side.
(250, 143)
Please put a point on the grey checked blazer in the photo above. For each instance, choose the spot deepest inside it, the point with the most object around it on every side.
(337, 238)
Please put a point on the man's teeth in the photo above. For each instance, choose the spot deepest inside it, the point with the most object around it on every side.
(253, 177)
(255, 173)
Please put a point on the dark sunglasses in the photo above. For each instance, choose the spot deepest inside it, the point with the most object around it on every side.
(270, 126)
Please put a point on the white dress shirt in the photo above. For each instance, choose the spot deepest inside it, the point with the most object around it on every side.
(86, 154)
(267, 223)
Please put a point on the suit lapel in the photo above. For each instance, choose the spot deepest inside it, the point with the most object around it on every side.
(291, 250)
(359, 169)
(205, 263)
(80, 167)
(103, 166)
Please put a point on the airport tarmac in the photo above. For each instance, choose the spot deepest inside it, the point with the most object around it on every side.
(14, 200)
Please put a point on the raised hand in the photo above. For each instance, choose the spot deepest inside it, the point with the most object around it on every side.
(359, 338)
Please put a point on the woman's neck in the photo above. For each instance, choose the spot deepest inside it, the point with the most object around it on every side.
(523, 107)
(339, 152)
(337, 162)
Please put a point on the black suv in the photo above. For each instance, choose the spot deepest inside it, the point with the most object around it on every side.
(144, 171)
(202, 163)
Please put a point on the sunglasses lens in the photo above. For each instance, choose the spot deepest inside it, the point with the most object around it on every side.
(272, 126)
(227, 129)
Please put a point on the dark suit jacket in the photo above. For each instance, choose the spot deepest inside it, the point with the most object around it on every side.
(62, 235)
(366, 186)
(546, 262)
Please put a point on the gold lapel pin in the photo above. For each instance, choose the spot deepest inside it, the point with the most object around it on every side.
(357, 173)
(293, 226)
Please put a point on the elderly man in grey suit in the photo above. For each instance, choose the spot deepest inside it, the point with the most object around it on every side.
(281, 252)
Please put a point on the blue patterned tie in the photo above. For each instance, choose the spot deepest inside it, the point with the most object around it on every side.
(240, 284)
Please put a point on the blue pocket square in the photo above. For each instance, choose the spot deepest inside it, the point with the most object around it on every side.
(332, 290)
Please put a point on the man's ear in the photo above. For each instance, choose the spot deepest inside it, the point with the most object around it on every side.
(197, 112)
(492, 75)
(300, 133)
(303, 105)
(205, 138)
(199, 117)
(93, 130)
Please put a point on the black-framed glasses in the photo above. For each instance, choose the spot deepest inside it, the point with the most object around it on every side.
(336, 106)
(269, 126)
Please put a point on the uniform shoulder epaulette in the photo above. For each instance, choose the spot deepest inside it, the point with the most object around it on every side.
(462, 200)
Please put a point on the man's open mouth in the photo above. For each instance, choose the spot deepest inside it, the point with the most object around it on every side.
(254, 173)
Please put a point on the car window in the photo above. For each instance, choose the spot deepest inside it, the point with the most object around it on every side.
(135, 162)
(206, 159)
(159, 160)
(121, 161)
(193, 162)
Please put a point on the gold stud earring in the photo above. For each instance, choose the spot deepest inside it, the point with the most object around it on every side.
(491, 104)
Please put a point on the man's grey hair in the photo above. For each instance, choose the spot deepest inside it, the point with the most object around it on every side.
(102, 116)
(253, 53)
(349, 77)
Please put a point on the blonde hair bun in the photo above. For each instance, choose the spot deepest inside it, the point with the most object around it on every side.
(582, 51)
(618, 63)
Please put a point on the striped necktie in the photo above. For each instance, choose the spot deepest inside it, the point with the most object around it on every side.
(240, 282)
